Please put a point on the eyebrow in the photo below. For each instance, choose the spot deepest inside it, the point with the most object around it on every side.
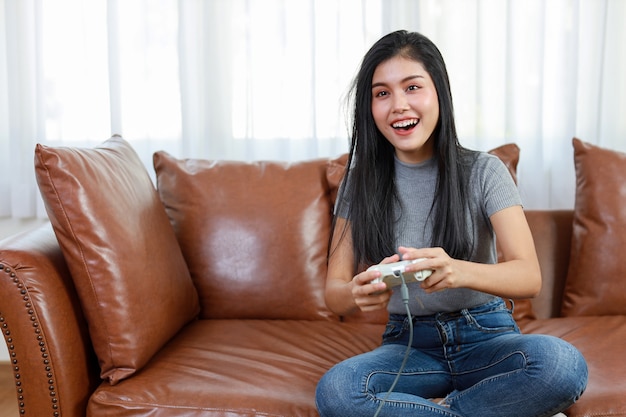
(405, 79)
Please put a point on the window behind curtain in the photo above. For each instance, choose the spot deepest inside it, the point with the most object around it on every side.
(266, 79)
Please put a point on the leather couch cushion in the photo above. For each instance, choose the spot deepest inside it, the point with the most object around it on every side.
(121, 250)
(508, 154)
(254, 235)
(596, 281)
(237, 368)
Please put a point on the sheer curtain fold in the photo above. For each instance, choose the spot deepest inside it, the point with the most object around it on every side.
(204, 29)
(535, 73)
(266, 79)
(22, 100)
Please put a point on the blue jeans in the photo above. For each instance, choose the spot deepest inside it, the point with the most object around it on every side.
(476, 358)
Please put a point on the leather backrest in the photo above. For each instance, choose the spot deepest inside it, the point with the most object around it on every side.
(552, 233)
(254, 235)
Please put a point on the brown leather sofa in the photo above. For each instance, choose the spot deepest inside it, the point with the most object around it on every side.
(204, 297)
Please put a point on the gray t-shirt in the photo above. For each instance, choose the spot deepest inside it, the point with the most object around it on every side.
(492, 189)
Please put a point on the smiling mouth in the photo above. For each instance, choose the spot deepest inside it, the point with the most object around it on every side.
(405, 124)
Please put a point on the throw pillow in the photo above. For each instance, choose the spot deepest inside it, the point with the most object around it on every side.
(121, 250)
(254, 235)
(596, 280)
(509, 155)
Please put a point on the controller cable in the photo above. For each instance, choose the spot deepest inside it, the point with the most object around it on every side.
(404, 291)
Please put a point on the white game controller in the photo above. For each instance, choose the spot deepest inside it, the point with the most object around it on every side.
(390, 273)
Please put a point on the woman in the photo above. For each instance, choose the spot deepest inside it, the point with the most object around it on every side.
(412, 192)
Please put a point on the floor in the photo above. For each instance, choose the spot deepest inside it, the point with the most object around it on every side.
(8, 399)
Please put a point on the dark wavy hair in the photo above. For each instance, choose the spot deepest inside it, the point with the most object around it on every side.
(371, 170)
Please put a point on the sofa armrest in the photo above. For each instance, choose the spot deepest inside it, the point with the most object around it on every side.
(552, 233)
(44, 328)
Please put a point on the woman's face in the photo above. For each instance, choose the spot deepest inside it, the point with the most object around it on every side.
(405, 107)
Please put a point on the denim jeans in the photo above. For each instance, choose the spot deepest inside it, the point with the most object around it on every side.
(476, 358)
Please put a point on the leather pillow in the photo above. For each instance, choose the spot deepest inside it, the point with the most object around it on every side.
(254, 235)
(121, 250)
(508, 154)
(596, 280)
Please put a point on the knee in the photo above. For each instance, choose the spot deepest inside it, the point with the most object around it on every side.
(579, 372)
(564, 367)
(329, 393)
(322, 395)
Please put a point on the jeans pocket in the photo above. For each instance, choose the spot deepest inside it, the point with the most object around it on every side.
(499, 321)
(394, 331)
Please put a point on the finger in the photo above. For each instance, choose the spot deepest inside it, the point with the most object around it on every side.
(434, 285)
(375, 289)
(404, 250)
(408, 254)
(365, 277)
(416, 253)
(369, 308)
(374, 301)
(363, 287)
(430, 283)
(390, 259)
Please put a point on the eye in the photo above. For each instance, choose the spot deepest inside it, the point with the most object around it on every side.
(413, 87)
(380, 93)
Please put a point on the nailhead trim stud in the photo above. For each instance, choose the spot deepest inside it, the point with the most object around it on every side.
(6, 331)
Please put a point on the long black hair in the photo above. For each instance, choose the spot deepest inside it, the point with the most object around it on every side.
(371, 170)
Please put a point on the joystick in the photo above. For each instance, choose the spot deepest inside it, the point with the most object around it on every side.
(390, 273)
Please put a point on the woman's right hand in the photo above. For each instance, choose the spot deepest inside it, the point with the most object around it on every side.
(370, 296)
(344, 292)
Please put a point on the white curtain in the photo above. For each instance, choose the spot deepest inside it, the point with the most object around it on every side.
(266, 79)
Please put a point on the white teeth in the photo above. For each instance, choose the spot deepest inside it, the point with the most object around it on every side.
(405, 123)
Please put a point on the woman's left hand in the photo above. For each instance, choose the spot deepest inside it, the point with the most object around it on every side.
(515, 275)
(445, 273)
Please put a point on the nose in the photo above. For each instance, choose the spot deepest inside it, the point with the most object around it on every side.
(400, 103)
